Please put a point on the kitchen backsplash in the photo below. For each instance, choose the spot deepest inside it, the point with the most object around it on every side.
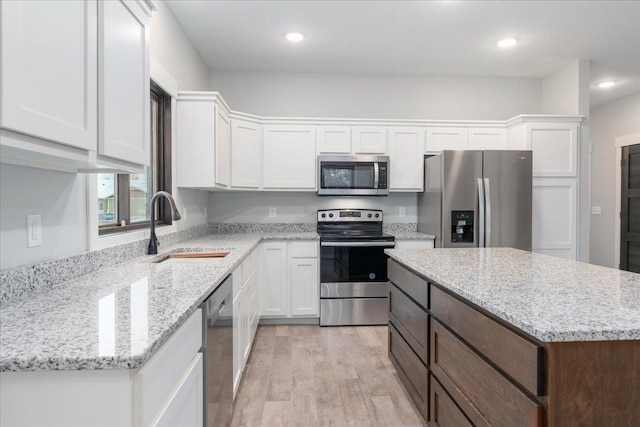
(22, 280)
(19, 281)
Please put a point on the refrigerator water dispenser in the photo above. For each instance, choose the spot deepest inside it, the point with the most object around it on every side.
(462, 226)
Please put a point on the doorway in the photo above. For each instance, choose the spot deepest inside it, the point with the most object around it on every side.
(630, 209)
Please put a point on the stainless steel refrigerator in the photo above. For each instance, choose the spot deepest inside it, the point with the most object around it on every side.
(477, 199)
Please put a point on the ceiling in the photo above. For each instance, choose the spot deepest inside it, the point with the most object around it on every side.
(420, 37)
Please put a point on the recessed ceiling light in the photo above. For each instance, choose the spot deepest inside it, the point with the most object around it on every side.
(508, 42)
(295, 37)
(607, 84)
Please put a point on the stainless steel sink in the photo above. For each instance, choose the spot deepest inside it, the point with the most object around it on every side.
(194, 258)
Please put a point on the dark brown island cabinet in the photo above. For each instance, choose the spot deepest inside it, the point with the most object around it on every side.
(462, 366)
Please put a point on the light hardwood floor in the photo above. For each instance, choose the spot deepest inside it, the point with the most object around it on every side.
(322, 376)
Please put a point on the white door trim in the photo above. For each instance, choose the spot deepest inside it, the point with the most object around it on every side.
(621, 141)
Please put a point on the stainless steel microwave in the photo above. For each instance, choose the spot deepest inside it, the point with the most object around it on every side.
(357, 175)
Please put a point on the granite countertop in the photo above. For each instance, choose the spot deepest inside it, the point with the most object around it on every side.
(411, 235)
(550, 298)
(119, 316)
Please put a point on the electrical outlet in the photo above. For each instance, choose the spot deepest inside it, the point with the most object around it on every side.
(272, 212)
(34, 231)
(402, 211)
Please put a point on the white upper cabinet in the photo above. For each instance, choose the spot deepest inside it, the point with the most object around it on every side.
(203, 125)
(487, 138)
(446, 138)
(49, 70)
(406, 148)
(554, 142)
(369, 139)
(289, 157)
(75, 84)
(555, 148)
(246, 154)
(223, 148)
(334, 139)
(123, 41)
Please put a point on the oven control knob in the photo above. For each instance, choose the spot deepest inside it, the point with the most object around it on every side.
(377, 215)
(324, 215)
(369, 216)
(330, 215)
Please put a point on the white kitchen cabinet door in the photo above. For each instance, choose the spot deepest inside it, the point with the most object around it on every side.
(123, 82)
(248, 291)
(202, 126)
(289, 157)
(446, 138)
(223, 148)
(555, 217)
(246, 153)
(334, 139)
(48, 75)
(185, 407)
(274, 285)
(487, 139)
(414, 244)
(406, 148)
(369, 140)
(237, 341)
(305, 292)
(555, 148)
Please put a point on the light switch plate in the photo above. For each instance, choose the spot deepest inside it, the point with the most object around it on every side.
(34, 231)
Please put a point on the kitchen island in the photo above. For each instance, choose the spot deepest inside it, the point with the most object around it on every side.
(499, 336)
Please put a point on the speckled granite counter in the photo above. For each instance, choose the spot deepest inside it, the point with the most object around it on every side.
(119, 316)
(550, 298)
(411, 235)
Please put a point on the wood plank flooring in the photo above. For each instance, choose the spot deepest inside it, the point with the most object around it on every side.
(300, 375)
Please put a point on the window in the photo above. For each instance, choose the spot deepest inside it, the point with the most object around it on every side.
(123, 200)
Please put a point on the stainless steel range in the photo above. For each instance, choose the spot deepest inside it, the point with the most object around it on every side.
(353, 267)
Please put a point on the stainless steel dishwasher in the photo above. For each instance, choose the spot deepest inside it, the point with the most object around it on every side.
(217, 349)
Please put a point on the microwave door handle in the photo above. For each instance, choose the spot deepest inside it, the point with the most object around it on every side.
(376, 175)
(481, 213)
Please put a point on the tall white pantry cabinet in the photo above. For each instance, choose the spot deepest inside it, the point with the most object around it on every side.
(556, 144)
(65, 69)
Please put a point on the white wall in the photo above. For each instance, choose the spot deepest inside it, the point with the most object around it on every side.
(371, 96)
(61, 198)
(252, 207)
(566, 91)
(171, 47)
(608, 121)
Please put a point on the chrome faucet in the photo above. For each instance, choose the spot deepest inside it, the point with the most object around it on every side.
(153, 240)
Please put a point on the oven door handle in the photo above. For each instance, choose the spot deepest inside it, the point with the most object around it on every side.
(359, 244)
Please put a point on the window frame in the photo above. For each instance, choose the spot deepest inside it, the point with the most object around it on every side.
(161, 173)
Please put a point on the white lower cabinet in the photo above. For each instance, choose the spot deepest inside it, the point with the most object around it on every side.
(414, 244)
(185, 407)
(274, 290)
(166, 391)
(290, 279)
(304, 286)
(246, 313)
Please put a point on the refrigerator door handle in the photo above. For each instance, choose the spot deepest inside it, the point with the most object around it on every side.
(487, 196)
(481, 213)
